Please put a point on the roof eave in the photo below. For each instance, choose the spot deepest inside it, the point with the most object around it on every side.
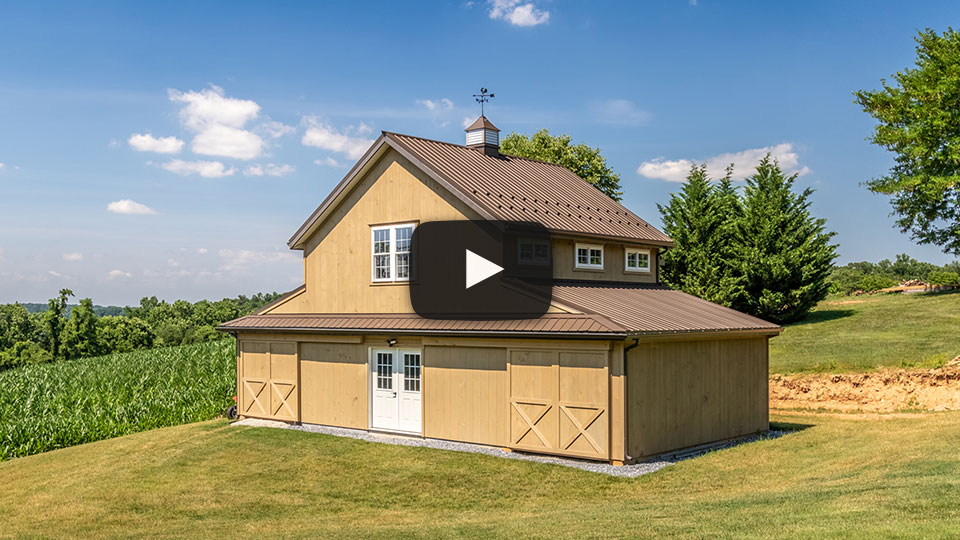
(451, 333)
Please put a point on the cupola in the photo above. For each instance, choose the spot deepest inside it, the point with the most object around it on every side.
(482, 135)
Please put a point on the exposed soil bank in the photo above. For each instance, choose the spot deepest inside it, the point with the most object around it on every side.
(888, 390)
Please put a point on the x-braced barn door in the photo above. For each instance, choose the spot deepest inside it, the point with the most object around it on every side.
(268, 380)
(558, 402)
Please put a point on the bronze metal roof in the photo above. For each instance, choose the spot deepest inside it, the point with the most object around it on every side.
(557, 324)
(520, 189)
(482, 123)
(609, 310)
(655, 309)
(506, 188)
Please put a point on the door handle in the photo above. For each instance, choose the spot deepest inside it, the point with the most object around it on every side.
(394, 394)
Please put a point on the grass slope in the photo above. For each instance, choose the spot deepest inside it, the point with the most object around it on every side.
(867, 332)
(56, 405)
(840, 477)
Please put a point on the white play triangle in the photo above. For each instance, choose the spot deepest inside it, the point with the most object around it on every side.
(479, 269)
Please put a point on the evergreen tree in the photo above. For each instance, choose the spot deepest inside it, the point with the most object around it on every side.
(701, 219)
(784, 253)
(80, 333)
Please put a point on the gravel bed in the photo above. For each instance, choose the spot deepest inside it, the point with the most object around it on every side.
(628, 471)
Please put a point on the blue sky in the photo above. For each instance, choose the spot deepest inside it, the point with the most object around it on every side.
(172, 149)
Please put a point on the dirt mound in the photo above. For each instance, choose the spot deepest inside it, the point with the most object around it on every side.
(881, 391)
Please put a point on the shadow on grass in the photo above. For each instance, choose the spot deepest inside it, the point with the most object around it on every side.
(789, 426)
(824, 315)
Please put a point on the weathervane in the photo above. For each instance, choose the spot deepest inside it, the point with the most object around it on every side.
(482, 98)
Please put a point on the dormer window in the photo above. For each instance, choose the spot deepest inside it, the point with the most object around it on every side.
(637, 260)
(533, 252)
(391, 252)
(589, 256)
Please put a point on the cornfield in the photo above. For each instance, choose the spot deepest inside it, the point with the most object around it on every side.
(50, 406)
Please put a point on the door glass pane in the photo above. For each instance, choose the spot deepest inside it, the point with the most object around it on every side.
(411, 372)
(384, 371)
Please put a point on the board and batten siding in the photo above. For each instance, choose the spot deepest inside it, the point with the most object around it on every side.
(564, 262)
(338, 257)
(686, 393)
(334, 384)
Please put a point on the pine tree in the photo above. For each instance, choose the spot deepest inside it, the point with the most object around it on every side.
(783, 254)
(701, 220)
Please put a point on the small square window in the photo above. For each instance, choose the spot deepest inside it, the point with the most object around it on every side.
(589, 256)
(533, 252)
(637, 260)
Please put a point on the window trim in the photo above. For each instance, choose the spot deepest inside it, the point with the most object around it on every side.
(392, 253)
(626, 260)
(534, 242)
(588, 247)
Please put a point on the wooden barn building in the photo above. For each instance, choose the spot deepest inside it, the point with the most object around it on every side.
(620, 368)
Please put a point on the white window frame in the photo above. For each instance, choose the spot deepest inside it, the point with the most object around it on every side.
(588, 247)
(626, 260)
(392, 253)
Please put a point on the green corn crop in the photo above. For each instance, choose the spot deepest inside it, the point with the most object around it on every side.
(50, 406)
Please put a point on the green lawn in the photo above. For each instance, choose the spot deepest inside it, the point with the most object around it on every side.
(860, 333)
(839, 477)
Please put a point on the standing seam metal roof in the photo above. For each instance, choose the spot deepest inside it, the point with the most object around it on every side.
(521, 189)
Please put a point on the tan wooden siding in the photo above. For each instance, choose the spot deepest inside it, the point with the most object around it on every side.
(296, 303)
(333, 384)
(564, 259)
(269, 380)
(465, 394)
(559, 402)
(682, 394)
(337, 257)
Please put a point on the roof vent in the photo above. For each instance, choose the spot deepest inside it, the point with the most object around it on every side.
(482, 135)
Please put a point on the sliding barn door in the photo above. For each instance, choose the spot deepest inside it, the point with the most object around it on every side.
(269, 380)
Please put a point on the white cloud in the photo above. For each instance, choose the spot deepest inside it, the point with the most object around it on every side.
(269, 169)
(73, 257)
(744, 163)
(114, 274)
(619, 112)
(202, 251)
(349, 142)
(327, 162)
(228, 141)
(467, 120)
(245, 259)
(517, 13)
(145, 142)
(206, 169)
(219, 123)
(442, 103)
(173, 262)
(2, 165)
(126, 206)
(276, 129)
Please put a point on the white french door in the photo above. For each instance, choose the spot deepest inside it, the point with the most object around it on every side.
(395, 389)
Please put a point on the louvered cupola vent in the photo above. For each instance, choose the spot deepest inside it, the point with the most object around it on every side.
(482, 135)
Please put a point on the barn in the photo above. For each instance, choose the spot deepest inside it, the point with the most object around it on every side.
(619, 368)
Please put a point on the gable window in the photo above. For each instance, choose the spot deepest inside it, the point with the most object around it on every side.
(532, 252)
(638, 260)
(590, 256)
(391, 252)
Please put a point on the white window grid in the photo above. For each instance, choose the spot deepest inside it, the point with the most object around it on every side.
(411, 372)
(637, 260)
(390, 252)
(384, 371)
(589, 256)
(533, 252)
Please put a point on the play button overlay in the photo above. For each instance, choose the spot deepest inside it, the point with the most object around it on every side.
(480, 270)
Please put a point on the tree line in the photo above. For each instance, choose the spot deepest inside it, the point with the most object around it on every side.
(59, 333)
(868, 276)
